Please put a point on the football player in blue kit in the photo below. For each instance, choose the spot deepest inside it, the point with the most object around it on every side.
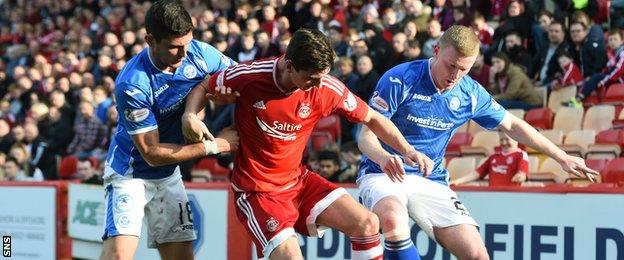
(141, 175)
(428, 100)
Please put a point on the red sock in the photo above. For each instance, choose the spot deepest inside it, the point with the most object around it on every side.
(366, 248)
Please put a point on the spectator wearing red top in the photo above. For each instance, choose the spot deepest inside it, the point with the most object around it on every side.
(507, 167)
(571, 73)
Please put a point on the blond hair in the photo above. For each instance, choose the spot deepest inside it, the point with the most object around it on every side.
(462, 38)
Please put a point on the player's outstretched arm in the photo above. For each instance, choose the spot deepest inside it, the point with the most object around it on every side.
(526, 134)
(376, 125)
(156, 153)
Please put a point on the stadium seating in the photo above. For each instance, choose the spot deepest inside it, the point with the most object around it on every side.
(542, 92)
(540, 118)
(597, 164)
(557, 97)
(614, 172)
(599, 118)
(331, 125)
(519, 113)
(554, 135)
(568, 119)
(482, 145)
(619, 121)
(608, 145)
(458, 139)
(216, 172)
(534, 163)
(614, 95)
(68, 167)
(320, 140)
(461, 166)
(550, 171)
(577, 142)
(475, 128)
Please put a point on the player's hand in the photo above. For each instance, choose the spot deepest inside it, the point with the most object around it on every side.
(392, 165)
(425, 165)
(223, 95)
(519, 177)
(227, 140)
(194, 130)
(576, 166)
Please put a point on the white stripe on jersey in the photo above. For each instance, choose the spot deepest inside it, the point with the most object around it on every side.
(333, 85)
(231, 76)
(255, 65)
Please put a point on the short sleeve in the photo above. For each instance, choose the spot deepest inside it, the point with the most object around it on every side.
(343, 101)
(216, 61)
(134, 107)
(486, 111)
(388, 94)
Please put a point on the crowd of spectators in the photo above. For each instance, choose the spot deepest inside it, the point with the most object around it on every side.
(60, 59)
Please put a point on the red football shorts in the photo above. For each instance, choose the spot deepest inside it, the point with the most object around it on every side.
(272, 217)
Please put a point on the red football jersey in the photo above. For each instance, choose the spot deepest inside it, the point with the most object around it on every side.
(503, 166)
(274, 126)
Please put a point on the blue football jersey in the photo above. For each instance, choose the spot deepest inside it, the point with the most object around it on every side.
(148, 98)
(427, 118)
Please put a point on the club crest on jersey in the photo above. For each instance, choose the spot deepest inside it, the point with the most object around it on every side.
(136, 115)
(509, 160)
(304, 110)
(189, 71)
(350, 103)
(272, 224)
(379, 103)
(454, 103)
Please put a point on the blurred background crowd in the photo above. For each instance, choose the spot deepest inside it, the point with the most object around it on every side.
(59, 60)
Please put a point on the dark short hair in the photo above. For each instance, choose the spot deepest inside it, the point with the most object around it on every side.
(166, 19)
(554, 22)
(329, 156)
(310, 49)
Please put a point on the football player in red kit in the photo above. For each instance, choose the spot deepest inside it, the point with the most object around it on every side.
(280, 100)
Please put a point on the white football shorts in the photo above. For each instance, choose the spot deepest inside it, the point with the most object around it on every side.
(163, 202)
(429, 204)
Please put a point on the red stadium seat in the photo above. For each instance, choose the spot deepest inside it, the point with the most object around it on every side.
(211, 164)
(614, 95)
(330, 125)
(541, 118)
(597, 164)
(458, 139)
(68, 167)
(321, 140)
(614, 172)
(608, 145)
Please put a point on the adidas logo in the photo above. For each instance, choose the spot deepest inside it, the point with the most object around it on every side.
(259, 105)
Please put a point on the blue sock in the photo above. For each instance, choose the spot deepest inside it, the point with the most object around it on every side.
(400, 250)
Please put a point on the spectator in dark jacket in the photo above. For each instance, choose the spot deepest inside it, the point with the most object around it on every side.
(588, 53)
(545, 64)
(368, 78)
(40, 155)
